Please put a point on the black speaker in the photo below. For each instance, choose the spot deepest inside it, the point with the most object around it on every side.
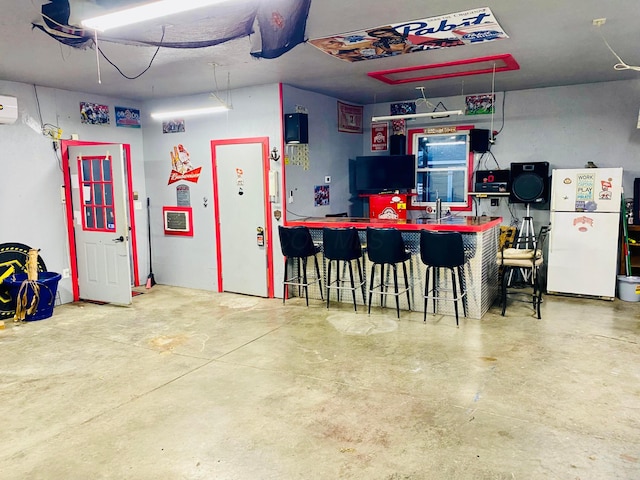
(479, 140)
(398, 145)
(529, 182)
(296, 128)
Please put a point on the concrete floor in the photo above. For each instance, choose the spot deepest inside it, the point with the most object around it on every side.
(189, 384)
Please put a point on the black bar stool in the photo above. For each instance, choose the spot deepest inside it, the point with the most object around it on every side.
(343, 245)
(385, 246)
(297, 244)
(443, 250)
(513, 257)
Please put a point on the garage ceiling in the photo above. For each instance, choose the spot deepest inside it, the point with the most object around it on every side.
(554, 43)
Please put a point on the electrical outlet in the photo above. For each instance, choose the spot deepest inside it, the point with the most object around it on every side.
(495, 202)
(598, 22)
(327, 179)
(66, 273)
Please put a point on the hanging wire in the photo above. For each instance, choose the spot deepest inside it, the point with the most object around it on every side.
(215, 94)
(98, 49)
(621, 65)
(493, 97)
(427, 103)
(97, 56)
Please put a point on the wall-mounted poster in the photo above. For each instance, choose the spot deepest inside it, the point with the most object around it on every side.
(173, 126)
(402, 108)
(399, 127)
(349, 118)
(450, 30)
(127, 117)
(379, 137)
(94, 114)
(321, 195)
(181, 166)
(480, 104)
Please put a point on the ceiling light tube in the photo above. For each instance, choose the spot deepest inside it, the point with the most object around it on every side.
(189, 112)
(142, 13)
(417, 115)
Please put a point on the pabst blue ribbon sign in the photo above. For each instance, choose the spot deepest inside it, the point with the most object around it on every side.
(451, 30)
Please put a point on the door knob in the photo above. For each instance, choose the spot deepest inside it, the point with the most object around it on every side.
(119, 239)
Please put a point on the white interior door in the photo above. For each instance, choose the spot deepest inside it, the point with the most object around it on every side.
(100, 222)
(241, 212)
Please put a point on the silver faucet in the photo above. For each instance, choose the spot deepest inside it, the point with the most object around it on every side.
(438, 208)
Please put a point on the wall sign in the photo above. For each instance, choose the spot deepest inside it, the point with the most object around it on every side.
(181, 166)
(379, 137)
(127, 117)
(183, 196)
(450, 30)
(178, 221)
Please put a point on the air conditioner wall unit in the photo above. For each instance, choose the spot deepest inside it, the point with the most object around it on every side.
(8, 109)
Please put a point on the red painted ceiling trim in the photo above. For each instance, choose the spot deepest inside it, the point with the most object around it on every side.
(503, 62)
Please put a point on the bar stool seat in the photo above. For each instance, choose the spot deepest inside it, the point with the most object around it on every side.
(443, 250)
(297, 244)
(385, 246)
(343, 245)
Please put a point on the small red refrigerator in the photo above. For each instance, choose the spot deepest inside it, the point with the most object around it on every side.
(392, 206)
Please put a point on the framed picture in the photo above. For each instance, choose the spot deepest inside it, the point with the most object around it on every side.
(178, 221)
(349, 118)
(480, 104)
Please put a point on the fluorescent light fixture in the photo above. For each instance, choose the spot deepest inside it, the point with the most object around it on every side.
(384, 118)
(189, 112)
(142, 13)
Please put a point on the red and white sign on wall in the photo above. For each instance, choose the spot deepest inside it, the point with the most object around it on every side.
(379, 137)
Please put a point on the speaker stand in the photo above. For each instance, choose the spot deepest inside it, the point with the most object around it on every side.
(527, 234)
(526, 240)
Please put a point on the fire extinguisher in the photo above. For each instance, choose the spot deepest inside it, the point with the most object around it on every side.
(260, 237)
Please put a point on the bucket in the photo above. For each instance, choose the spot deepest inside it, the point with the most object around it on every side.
(48, 282)
(629, 288)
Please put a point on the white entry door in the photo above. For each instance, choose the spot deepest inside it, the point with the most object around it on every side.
(100, 223)
(239, 178)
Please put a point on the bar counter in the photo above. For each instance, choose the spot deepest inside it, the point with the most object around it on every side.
(480, 239)
(449, 223)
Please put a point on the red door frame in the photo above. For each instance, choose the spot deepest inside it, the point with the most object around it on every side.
(216, 205)
(64, 146)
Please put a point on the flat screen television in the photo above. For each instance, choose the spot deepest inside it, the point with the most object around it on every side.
(382, 173)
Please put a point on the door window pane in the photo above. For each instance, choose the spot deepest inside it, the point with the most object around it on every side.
(97, 193)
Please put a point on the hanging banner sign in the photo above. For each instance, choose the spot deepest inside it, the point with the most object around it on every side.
(450, 30)
(379, 137)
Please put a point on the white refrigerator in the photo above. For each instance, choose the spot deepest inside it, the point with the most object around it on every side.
(583, 241)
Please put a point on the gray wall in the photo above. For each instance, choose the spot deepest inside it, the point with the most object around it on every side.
(31, 210)
(191, 261)
(565, 126)
(329, 153)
